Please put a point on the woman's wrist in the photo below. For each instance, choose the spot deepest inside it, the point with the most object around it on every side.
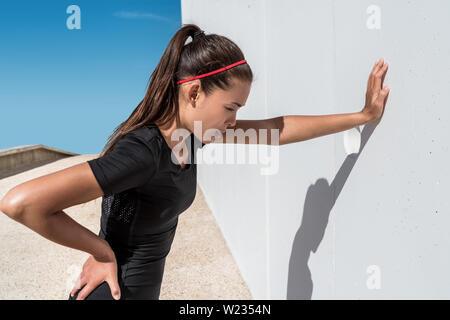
(104, 251)
(366, 117)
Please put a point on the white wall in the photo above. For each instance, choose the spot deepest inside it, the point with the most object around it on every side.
(379, 218)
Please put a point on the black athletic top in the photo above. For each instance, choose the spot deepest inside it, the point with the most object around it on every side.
(144, 190)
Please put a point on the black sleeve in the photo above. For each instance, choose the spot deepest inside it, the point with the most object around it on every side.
(132, 162)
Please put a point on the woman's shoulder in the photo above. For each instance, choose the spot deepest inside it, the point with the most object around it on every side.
(149, 135)
(146, 131)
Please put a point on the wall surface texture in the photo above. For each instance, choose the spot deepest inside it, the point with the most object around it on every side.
(328, 223)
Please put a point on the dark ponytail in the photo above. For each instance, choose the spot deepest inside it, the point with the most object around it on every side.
(180, 61)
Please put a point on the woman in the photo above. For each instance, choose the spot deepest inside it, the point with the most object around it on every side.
(147, 176)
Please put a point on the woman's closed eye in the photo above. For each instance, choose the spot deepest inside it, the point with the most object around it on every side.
(230, 109)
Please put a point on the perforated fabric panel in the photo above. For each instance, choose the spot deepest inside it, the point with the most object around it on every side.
(121, 206)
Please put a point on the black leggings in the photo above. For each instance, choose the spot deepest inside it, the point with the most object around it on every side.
(139, 276)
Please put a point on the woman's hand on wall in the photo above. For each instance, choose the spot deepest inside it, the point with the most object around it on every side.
(376, 95)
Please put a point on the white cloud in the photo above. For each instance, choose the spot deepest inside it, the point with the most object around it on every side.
(140, 15)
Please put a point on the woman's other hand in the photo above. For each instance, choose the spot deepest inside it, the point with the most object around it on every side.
(95, 271)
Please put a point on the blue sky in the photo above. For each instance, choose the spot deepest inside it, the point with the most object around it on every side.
(69, 89)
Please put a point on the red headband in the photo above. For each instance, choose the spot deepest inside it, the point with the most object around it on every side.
(214, 72)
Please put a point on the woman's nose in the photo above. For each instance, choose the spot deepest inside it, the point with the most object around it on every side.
(231, 124)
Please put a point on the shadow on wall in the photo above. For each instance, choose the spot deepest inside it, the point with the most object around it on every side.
(320, 199)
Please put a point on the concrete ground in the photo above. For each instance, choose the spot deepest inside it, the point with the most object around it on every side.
(199, 265)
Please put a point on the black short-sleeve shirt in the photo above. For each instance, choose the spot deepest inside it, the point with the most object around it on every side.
(144, 190)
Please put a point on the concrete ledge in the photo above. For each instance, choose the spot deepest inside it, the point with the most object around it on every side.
(22, 158)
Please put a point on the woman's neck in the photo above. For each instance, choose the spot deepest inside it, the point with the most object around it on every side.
(168, 131)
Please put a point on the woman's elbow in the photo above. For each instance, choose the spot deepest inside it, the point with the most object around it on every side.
(11, 205)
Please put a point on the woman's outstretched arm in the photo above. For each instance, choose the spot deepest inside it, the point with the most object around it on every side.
(296, 128)
(300, 128)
